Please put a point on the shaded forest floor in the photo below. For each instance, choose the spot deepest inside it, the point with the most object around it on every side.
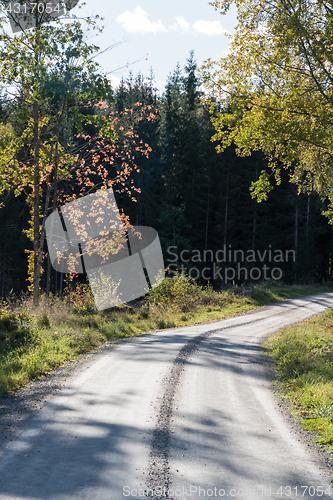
(33, 341)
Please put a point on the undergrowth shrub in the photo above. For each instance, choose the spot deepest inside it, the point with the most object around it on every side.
(81, 299)
(179, 293)
(43, 320)
(14, 329)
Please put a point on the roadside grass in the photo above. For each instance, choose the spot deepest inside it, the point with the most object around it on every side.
(304, 360)
(33, 341)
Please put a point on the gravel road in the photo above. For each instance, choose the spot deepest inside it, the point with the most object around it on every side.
(182, 413)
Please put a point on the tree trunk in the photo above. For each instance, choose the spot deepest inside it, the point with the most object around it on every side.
(226, 209)
(41, 234)
(36, 203)
(307, 224)
(48, 276)
(307, 235)
(207, 211)
(254, 226)
(331, 269)
(296, 240)
(3, 274)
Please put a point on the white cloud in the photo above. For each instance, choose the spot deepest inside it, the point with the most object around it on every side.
(209, 28)
(115, 81)
(138, 22)
(181, 25)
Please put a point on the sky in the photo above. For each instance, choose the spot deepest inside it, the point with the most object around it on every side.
(157, 35)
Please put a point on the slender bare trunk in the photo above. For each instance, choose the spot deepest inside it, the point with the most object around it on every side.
(331, 268)
(3, 274)
(226, 209)
(307, 224)
(296, 240)
(48, 276)
(307, 234)
(254, 226)
(207, 211)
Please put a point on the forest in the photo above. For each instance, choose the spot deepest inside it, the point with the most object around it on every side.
(196, 198)
(231, 165)
(190, 162)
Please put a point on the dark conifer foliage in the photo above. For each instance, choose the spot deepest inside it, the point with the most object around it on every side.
(198, 200)
(13, 243)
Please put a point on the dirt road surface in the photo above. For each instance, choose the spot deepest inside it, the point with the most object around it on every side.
(182, 413)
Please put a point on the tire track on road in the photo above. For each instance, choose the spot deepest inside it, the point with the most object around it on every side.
(159, 474)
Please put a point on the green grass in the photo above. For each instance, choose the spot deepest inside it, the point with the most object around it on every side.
(304, 359)
(33, 341)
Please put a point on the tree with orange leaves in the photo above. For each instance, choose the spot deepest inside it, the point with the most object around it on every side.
(63, 139)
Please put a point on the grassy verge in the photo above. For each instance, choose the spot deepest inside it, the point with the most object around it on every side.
(35, 340)
(304, 361)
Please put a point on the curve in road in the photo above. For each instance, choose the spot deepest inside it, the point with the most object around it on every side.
(183, 413)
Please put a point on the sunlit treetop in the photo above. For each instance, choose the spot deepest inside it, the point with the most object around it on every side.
(276, 86)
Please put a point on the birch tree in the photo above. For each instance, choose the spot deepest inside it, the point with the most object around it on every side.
(276, 83)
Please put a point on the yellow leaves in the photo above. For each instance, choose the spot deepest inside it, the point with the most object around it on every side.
(261, 188)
